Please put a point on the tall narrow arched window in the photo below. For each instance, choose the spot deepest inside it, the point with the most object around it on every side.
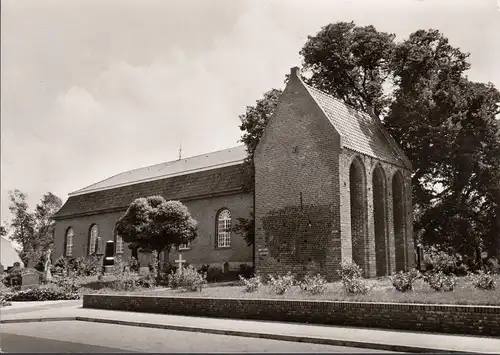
(224, 229)
(69, 241)
(94, 239)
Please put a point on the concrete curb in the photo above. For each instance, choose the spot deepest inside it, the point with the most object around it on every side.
(248, 334)
(33, 320)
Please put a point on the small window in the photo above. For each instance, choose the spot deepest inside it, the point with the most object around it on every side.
(69, 242)
(224, 229)
(94, 240)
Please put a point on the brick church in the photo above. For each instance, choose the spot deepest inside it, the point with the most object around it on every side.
(330, 185)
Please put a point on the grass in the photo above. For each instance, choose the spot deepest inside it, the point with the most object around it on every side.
(381, 290)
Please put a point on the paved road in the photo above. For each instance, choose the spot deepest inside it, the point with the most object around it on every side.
(78, 336)
(12, 343)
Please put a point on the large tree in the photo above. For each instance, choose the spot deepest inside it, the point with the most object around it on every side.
(444, 122)
(153, 223)
(446, 125)
(350, 62)
(33, 231)
(22, 225)
(45, 225)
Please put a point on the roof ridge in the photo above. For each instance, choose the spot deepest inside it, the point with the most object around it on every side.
(153, 165)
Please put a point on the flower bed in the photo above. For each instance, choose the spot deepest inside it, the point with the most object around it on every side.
(381, 290)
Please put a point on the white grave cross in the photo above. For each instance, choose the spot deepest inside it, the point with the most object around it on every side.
(180, 262)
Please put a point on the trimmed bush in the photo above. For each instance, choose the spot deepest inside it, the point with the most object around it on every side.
(352, 279)
(281, 284)
(252, 284)
(314, 285)
(483, 280)
(403, 281)
(439, 281)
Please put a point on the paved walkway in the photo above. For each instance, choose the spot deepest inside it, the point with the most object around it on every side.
(401, 341)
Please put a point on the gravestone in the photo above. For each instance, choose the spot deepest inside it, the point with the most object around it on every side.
(420, 258)
(30, 278)
(226, 268)
(22, 279)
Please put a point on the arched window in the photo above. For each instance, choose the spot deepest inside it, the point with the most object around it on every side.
(69, 241)
(224, 229)
(94, 240)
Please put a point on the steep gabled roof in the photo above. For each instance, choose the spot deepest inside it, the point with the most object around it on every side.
(202, 162)
(358, 130)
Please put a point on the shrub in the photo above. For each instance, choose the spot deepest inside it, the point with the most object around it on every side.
(251, 284)
(493, 266)
(403, 281)
(146, 281)
(439, 281)
(352, 280)
(3, 301)
(246, 271)
(174, 280)
(41, 294)
(87, 266)
(61, 265)
(483, 280)
(133, 264)
(281, 284)
(125, 280)
(69, 284)
(192, 280)
(314, 285)
(189, 279)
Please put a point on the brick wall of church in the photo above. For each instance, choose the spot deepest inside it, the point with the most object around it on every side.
(203, 249)
(297, 190)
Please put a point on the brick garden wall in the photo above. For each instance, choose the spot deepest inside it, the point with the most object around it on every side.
(471, 320)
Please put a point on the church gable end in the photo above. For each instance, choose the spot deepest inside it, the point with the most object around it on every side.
(296, 188)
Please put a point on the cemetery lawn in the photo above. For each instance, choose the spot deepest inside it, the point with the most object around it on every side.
(381, 291)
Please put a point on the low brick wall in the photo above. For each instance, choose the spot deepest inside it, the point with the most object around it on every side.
(472, 320)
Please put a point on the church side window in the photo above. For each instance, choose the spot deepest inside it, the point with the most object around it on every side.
(119, 244)
(69, 242)
(224, 229)
(94, 240)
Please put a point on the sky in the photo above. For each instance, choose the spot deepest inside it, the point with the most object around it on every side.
(92, 88)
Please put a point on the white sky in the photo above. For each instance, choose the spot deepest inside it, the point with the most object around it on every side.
(91, 88)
